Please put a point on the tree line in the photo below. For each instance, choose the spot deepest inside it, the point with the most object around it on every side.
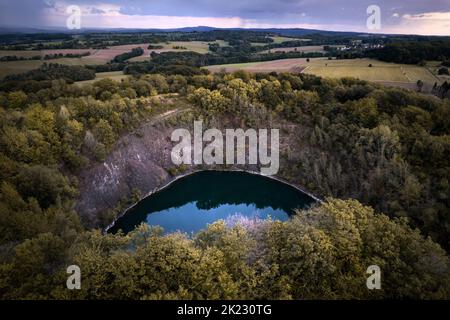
(412, 52)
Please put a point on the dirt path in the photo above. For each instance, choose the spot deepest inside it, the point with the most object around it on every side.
(167, 114)
(160, 117)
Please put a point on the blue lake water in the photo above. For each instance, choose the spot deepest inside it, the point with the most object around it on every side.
(191, 203)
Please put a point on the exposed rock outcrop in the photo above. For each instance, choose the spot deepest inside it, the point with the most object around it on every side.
(138, 161)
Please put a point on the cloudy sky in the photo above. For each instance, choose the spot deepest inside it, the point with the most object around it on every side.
(397, 16)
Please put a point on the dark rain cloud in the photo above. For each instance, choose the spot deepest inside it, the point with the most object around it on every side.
(329, 12)
(322, 10)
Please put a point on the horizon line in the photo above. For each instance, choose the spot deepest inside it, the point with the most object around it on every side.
(65, 30)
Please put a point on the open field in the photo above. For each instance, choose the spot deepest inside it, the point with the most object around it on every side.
(42, 53)
(390, 73)
(279, 39)
(297, 49)
(97, 56)
(196, 46)
(77, 61)
(13, 67)
(380, 71)
(64, 51)
(20, 53)
(109, 53)
(287, 65)
(113, 75)
(16, 67)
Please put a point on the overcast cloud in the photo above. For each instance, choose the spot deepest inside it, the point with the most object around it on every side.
(407, 16)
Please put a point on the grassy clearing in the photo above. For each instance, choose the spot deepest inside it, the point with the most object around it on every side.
(196, 46)
(222, 43)
(20, 53)
(144, 57)
(41, 53)
(257, 44)
(380, 71)
(77, 61)
(113, 75)
(232, 66)
(279, 39)
(16, 67)
(282, 65)
(13, 67)
(298, 49)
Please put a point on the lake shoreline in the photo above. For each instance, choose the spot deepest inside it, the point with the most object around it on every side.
(189, 173)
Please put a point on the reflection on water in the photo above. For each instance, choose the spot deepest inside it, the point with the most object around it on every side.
(193, 202)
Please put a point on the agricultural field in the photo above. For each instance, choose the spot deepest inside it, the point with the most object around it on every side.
(379, 72)
(393, 74)
(286, 65)
(388, 73)
(97, 56)
(20, 53)
(42, 53)
(279, 39)
(196, 46)
(13, 67)
(100, 56)
(106, 55)
(84, 61)
(16, 67)
(305, 49)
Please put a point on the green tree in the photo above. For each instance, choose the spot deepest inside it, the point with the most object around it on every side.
(17, 100)
(104, 133)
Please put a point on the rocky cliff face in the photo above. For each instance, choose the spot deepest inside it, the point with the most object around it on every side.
(138, 161)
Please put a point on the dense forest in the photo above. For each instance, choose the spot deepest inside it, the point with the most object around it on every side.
(387, 148)
(42, 41)
(135, 52)
(393, 143)
(38, 78)
(412, 52)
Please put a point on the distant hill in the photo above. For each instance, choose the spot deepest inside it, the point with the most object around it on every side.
(300, 32)
(285, 32)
